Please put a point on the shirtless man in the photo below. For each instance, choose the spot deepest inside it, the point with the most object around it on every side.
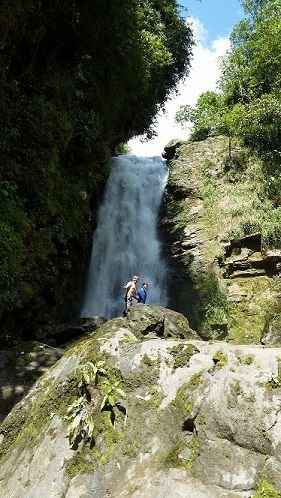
(131, 291)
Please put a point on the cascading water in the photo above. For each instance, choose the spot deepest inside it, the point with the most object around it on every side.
(125, 242)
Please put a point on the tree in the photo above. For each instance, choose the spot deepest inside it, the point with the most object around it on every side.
(206, 117)
(251, 77)
(258, 123)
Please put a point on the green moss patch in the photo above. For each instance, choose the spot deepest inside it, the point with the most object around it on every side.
(220, 359)
(145, 376)
(248, 360)
(182, 354)
(183, 401)
(266, 490)
(173, 459)
(79, 464)
(194, 452)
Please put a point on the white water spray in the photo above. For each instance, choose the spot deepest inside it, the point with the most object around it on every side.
(125, 242)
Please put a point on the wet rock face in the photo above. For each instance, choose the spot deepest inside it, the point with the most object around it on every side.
(192, 419)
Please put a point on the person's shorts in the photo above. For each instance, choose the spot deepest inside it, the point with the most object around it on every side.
(129, 301)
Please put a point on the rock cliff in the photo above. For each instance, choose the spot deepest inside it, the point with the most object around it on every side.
(226, 278)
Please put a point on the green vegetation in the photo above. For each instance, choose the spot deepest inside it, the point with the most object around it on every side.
(206, 117)
(194, 452)
(182, 354)
(95, 381)
(247, 109)
(233, 204)
(220, 359)
(77, 80)
(79, 465)
(86, 398)
(248, 104)
(79, 411)
(195, 381)
(82, 423)
(266, 490)
(248, 360)
(182, 401)
(173, 459)
(236, 388)
(213, 306)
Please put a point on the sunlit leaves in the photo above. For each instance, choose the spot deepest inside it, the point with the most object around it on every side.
(206, 116)
(91, 371)
(82, 423)
(95, 382)
(112, 393)
(253, 65)
(252, 75)
(156, 52)
(259, 122)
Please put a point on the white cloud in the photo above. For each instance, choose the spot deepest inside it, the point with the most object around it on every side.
(203, 76)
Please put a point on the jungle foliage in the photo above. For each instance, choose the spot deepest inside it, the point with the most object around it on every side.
(77, 78)
(247, 106)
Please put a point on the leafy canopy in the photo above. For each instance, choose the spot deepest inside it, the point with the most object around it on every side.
(248, 104)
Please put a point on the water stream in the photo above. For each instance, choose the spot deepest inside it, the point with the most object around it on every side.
(126, 241)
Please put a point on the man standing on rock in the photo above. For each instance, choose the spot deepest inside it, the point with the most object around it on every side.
(130, 293)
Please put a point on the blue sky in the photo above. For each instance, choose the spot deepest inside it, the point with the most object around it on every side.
(218, 16)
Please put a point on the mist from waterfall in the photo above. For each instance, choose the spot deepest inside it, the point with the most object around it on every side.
(126, 241)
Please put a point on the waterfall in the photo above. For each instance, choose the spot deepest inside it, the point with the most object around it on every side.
(126, 242)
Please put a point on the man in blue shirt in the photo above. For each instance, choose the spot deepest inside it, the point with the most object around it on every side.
(143, 293)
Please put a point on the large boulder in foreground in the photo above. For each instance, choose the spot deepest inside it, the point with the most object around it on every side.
(168, 417)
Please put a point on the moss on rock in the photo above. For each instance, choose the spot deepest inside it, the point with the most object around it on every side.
(182, 354)
(220, 359)
(266, 490)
